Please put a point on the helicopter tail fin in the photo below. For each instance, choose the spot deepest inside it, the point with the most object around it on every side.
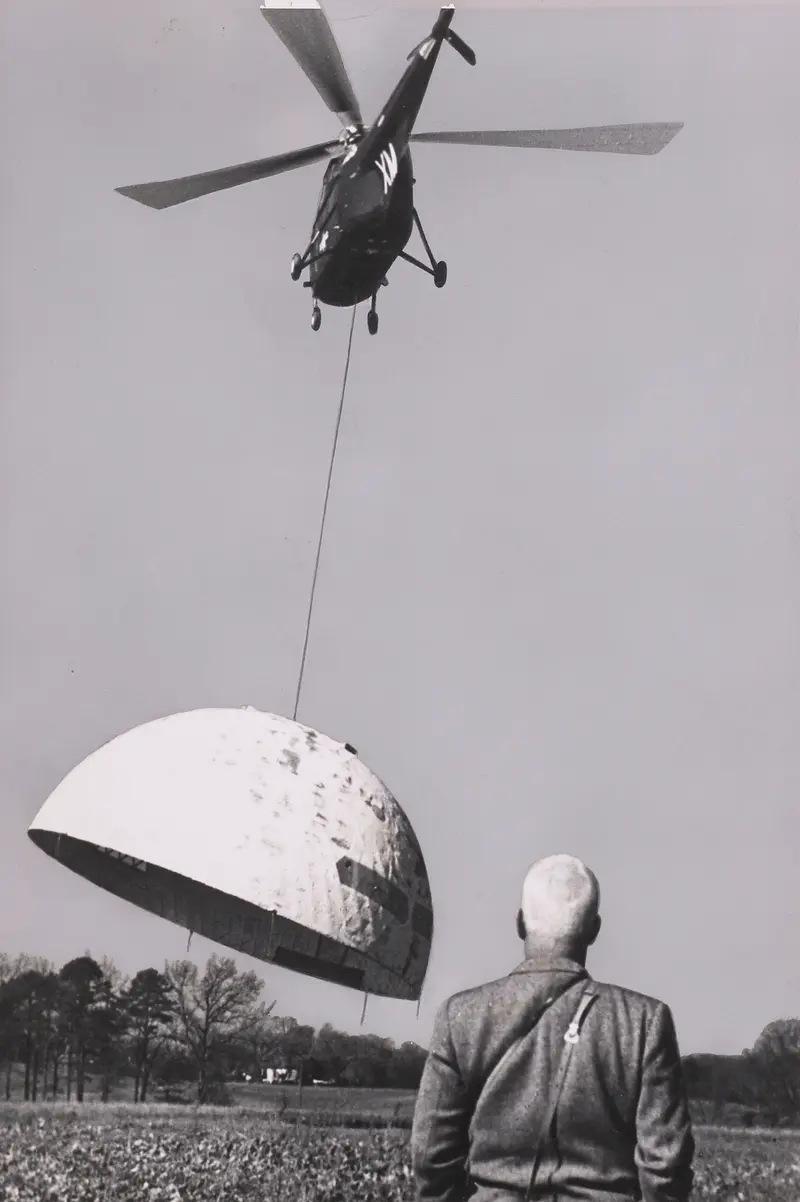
(466, 52)
(442, 32)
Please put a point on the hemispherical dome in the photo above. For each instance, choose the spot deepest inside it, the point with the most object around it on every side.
(258, 833)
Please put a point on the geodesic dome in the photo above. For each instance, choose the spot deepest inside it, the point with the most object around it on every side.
(258, 833)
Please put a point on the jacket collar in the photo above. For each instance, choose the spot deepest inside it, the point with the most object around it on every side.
(552, 964)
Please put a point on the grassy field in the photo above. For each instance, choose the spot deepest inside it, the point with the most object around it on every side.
(319, 1102)
(59, 1152)
(385, 1105)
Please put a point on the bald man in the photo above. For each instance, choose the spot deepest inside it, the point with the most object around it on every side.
(547, 1084)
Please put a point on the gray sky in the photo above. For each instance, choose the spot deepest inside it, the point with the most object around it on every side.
(557, 607)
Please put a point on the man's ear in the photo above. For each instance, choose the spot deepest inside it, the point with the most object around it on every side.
(594, 930)
(521, 926)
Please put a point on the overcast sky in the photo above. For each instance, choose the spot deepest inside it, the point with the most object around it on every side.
(558, 601)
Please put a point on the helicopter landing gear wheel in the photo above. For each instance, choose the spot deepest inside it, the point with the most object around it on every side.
(297, 267)
(316, 317)
(440, 274)
(372, 316)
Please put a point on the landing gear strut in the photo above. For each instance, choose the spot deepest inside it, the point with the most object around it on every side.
(372, 315)
(300, 262)
(438, 269)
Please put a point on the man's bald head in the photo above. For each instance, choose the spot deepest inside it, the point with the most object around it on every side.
(560, 904)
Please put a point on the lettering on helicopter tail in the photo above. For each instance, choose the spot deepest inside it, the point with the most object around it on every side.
(387, 165)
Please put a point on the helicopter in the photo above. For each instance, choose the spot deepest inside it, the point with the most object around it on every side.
(366, 213)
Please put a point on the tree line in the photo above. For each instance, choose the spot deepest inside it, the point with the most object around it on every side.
(762, 1085)
(161, 1030)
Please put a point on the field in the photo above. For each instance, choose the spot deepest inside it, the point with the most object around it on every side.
(382, 1105)
(60, 1152)
(338, 1104)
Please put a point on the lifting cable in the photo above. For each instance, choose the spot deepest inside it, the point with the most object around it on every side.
(324, 515)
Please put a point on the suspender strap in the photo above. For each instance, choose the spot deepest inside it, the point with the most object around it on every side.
(480, 1087)
(570, 1039)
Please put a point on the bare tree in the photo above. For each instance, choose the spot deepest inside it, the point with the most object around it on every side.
(46, 1039)
(115, 976)
(150, 1007)
(60, 1040)
(11, 969)
(13, 966)
(213, 1011)
(30, 987)
(108, 1023)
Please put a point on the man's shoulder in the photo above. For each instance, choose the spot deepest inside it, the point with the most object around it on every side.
(486, 992)
(631, 997)
(631, 1009)
(493, 993)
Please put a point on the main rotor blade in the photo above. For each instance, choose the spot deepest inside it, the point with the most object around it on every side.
(168, 192)
(612, 139)
(303, 28)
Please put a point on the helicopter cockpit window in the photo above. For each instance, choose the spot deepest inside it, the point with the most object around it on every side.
(332, 171)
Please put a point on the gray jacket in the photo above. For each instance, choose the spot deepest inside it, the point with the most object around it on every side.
(622, 1129)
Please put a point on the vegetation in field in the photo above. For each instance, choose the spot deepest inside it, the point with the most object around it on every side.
(61, 1153)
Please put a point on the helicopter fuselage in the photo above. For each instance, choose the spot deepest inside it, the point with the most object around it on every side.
(365, 215)
(363, 224)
